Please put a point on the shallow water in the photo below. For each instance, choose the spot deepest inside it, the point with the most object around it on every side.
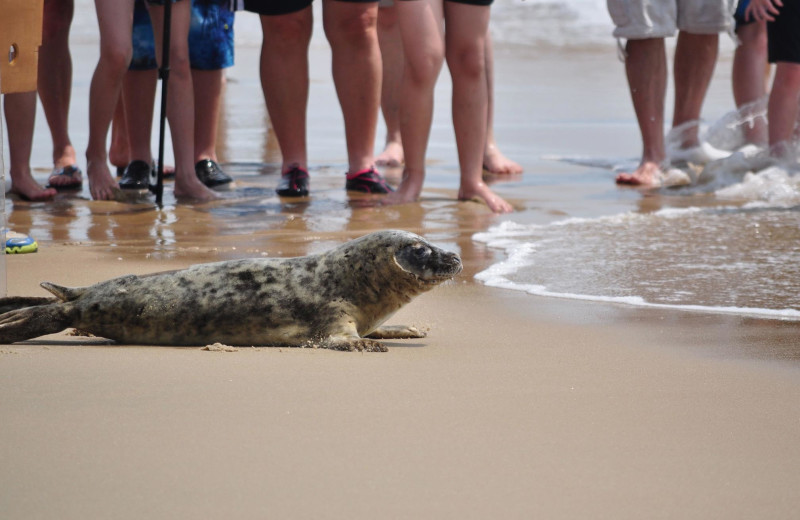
(563, 111)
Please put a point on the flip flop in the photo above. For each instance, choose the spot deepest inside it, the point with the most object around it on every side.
(70, 172)
(17, 243)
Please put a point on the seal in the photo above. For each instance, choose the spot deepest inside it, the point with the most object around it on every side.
(336, 300)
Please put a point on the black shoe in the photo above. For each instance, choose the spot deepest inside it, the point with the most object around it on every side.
(293, 183)
(211, 174)
(367, 181)
(138, 176)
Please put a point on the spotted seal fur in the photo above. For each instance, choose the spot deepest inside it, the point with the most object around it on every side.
(331, 300)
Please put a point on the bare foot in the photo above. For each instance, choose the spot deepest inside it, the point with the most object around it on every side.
(407, 192)
(392, 155)
(64, 157)
(648, 174)
(495, 162)
(27, 188)
(483, 193)
(189, 188)
(102, 185)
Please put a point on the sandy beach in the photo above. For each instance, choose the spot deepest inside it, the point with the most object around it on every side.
(514, 406)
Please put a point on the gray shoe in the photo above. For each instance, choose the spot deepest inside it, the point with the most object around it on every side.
(212, 175)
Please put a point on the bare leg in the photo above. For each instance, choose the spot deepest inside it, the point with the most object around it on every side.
(55, 78)
(284, 80)
(207, 102)
(391, 45)
(180, 100)
(646, 69)
(493, 159)
(20, 112)
(351, 29)
(139, 95)
(465, 45)
(750, 73)
(119, 150)
(423, 45)
(695, 57)
(783, 106)
(115, 18)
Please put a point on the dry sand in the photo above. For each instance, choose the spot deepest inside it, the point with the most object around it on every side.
(512, 407)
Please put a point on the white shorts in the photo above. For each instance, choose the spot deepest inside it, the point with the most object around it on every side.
(642, 19)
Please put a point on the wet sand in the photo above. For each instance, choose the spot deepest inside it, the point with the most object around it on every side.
(513, 407)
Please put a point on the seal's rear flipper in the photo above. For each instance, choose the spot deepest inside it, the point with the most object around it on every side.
(32, 322)
(65, 294)
(13, 303)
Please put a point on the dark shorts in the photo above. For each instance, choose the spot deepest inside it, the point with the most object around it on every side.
(210, 36)
(738, 16)
(783, 35)
(275, 7)
(471, 2)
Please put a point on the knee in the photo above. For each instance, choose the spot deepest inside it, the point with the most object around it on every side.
(423, 70)
(467, 62)
(357, 30)
(116, 59)
(179, 61)
(787, 81)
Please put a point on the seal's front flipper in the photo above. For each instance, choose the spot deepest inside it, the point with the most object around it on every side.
(353, 343)
(32, 322)
(397, 332)
(13, 303)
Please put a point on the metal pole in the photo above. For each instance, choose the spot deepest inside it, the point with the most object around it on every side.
(163, 74)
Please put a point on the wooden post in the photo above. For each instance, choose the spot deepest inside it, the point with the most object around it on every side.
(20, 38)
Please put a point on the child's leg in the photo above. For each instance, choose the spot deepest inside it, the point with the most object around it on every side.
(467, 27)
(180, 98)
(115, 18)
(284, 81)
(208, 104)
(423, 46)
(782, 110)
(392, 54)
(494, 161)
(139, 93)
(20, 109)
(351, 29)
(55, 78)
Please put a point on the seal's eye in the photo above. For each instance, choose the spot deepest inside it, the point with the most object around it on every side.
(422, 252)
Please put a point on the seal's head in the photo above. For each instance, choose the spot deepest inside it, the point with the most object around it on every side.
(428, 264)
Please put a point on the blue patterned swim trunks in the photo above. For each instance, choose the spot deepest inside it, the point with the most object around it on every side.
(210, 36)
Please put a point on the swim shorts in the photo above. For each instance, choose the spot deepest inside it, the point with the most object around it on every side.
(275, 7)
(643, 19)
(738, 16)
(472, 2)
(783, 35)
(210, 36)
